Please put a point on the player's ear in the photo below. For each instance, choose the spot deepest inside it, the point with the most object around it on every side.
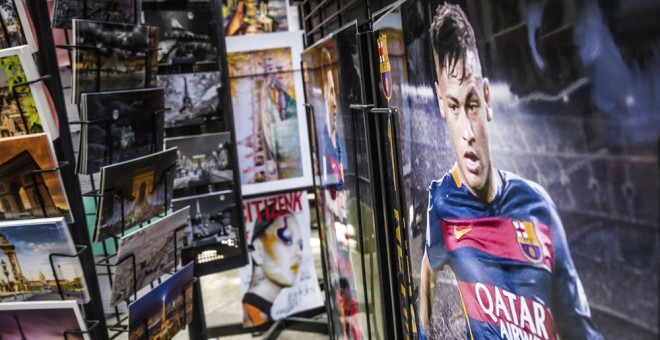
(438, 94)
(487, 100)
(258, 252)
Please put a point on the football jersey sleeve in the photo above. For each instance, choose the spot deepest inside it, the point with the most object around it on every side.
(569, 302)
(436, 249)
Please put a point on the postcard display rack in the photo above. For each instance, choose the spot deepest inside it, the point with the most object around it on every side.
(96, 320)
(37, 13)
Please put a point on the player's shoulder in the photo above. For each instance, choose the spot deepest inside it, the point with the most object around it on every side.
(441, 185)
(519, 187)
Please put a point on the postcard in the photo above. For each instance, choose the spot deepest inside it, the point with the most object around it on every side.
(193, 99)
(203, 163)
(30, 187)
(121, 11)
(15, 29)
(185, 35)
(271, 127)
(47, 320)
(165, 310)
(123, 126)
(111, 56)
(215, 242)
(255, 17)
(153, 248)
(152, 69)
(25, 108)
(134, 191)
(27, 275)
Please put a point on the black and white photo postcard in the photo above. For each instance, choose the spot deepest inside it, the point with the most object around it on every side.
(123, 125)
(185, 36)
(214, 243)
(193, 100)
(121, 11)
(111, 56)
(203, 163)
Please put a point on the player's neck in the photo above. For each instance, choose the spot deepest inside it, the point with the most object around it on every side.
(495, 184)
(491, 189)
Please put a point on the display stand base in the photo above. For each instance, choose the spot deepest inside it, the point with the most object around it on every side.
(302, 322)
(296, 324)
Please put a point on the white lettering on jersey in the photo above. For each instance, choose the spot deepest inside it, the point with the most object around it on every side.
(522, 321)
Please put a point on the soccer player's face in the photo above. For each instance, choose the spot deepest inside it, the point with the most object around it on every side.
(330, 102)
(464, 99)
(283, 246)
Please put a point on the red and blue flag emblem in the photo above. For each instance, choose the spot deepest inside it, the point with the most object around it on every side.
(528, 240)
(385, 68)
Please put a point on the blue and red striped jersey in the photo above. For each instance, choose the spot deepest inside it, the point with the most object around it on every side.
(510, 257)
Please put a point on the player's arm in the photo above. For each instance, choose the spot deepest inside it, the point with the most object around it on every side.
(435, 255)
(569, 303)
(426, 294)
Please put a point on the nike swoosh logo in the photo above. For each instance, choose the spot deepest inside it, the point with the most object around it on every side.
(458, 233)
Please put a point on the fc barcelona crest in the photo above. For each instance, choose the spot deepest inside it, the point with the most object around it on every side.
(528, 240)
(385, 68)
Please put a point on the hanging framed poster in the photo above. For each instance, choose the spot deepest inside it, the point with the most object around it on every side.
(528, 153)
(255, 17)
(332, 84)
(271, 128)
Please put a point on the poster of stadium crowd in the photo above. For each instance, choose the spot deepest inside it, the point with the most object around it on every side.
(527, 136)
(280, 279)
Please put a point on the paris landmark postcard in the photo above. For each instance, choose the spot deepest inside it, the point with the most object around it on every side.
(46, 320)
(123, 125)
(154, 251)
(133, 192)
(26, 273)
(30, 184)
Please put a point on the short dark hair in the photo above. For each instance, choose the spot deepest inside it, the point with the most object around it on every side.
(451, 36)
(263, 221)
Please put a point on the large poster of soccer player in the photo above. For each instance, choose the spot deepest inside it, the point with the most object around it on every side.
(280, 279)
(531, 190)
(390, 49)
(332, 83)
(266, 93)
